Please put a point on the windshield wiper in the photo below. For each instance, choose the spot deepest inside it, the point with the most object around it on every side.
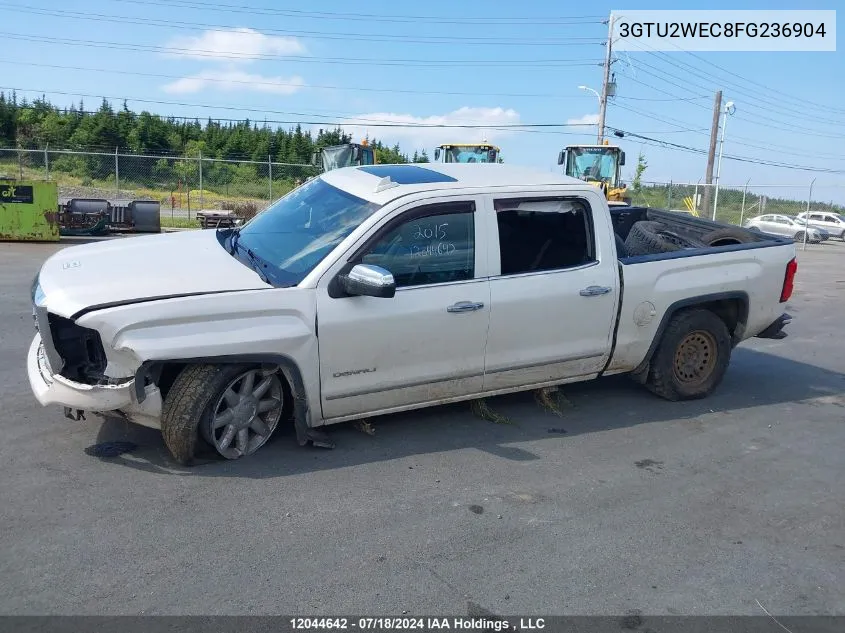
(255, 262)
(257, 265)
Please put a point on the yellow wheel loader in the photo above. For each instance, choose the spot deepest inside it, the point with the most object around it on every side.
(347, 155)
(600, 165)
(467, 153)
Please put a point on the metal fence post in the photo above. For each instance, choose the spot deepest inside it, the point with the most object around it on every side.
(695, 198)
(47, 161)
(669, 197)
(270, 172)
(20, 165)
(742, 209)
(201, 194)
(807, 221)
(116, 174)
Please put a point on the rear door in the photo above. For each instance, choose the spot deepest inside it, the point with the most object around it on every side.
(553, 290)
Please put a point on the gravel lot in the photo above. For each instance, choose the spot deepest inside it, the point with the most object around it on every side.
(693, 508)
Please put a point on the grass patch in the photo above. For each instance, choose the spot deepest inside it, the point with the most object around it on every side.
(179, 223)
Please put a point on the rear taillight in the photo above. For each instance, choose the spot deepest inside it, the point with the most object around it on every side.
(789, 280)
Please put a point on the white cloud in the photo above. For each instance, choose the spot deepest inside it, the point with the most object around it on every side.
(587, 119)
(237, 44)
(229, 80)
(414, 137)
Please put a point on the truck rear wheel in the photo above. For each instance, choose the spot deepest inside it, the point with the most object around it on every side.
(234, 408)
(692, 356)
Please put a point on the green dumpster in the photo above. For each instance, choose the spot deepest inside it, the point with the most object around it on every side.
(28, 211)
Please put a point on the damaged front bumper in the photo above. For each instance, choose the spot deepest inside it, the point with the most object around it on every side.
(775, 330)
(77, 398)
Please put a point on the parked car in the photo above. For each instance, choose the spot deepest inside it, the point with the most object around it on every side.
(823, 232)
(831, 222)
(784, 226)
(377, 289)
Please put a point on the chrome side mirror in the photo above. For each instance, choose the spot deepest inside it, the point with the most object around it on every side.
(367, 280)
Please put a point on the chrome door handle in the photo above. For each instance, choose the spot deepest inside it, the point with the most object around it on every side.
(594, 291)
(465, 306)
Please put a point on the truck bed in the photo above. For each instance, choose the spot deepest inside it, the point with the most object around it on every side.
(741, 282)
(624, 217)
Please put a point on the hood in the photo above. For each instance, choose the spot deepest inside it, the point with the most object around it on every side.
(124, 270)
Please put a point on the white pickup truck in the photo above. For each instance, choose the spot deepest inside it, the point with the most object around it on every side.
(377, 289)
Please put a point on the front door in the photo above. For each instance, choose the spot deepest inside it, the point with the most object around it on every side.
(554, 302)
(424, 345)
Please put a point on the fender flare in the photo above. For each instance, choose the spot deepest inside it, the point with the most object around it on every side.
(301, 414)
(641, 370)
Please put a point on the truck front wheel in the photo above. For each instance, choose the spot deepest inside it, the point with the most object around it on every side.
(234, 408)
(692, 356)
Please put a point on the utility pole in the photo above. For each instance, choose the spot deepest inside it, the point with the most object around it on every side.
(711, 154)
(606, 82)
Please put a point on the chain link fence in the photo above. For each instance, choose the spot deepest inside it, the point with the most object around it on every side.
(182, 185)
(737, 204)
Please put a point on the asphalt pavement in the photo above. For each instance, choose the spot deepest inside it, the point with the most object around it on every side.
(626, 503)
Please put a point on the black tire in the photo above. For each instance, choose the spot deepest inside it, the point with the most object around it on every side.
(647, 238)
(799, 236)
(691, 358)
(621, 251)
(188, 405)
(726, 236)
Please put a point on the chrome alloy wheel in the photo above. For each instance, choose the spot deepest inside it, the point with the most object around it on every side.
(244, 417)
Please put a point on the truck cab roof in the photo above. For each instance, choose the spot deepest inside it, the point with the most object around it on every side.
(383, 183)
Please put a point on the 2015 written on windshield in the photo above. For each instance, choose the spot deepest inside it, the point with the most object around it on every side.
(437, 246)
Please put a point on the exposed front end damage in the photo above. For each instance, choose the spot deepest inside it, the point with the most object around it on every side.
(67, 365)
(89, 392)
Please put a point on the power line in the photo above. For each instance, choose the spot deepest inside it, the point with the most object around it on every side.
(735, 87)
(370, 17)
(772, 146)
(703, 131)
(520, 128)
(814, 104)
(344, 119)
(294, 85)
(627, 98)
(683, 127)
(222, 28)
(671, 94)
(742, 159)
(528, 63)
(758, 119)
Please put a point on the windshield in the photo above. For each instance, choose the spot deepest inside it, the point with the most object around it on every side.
(294, 235)
(474, 154)
(344, 156)
(337, 157)
(592, 163)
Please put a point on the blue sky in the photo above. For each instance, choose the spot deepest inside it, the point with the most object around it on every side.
(292, 60)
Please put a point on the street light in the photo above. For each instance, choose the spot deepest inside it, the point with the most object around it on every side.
(730, 108)
(598, 96)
